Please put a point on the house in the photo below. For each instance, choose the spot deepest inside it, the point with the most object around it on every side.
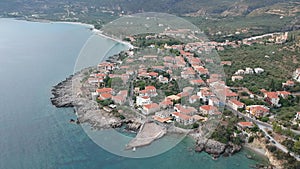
(149, 91)
(234, 78)
(235, 104)
(197, 82)
(150, 108)
(201, 70)
(288, 83)
(230, 94)
(283, 94)
(142, 100)
(248, 70)
(214, 101)
(297, 116)
(104, 96)
(204, 94)
(153, 74)
(258, 110)
(95, 80)
(162, 79)
(208, 109)
(106, 66)
(174, 97)
(188, 73)
(183, 118)
(296, 75)
(119, 99)
(226, 63)
(272, 98)
(167, 103)
(185, 109)
(104, 90)
(245, 124)
(193, 99)
(163, 116)
(258, 70)
(239, 72)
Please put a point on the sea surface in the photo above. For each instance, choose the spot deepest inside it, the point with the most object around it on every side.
(36, 135)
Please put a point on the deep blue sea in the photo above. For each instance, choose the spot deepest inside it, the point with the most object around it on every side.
(36, 135)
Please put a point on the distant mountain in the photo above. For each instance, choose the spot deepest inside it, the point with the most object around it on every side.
(180, 7)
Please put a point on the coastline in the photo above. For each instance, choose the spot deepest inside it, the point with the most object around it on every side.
(100, 33)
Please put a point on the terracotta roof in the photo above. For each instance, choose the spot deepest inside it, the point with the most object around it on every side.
(284, 92)
(245, 124)
(104, 90)
(145, 97)
(105, 96)
(259, 108)
(162, 120)
(153, 74)
(118, 98)
(166, 102)
(151, 106)
(182, 116)
(236, 102)
(272, 95)
(150, 88)
(208, 107)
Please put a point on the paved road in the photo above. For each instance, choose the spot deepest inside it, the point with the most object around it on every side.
(263, 126)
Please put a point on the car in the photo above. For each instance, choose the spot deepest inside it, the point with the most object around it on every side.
(273, 142)
(268, 137)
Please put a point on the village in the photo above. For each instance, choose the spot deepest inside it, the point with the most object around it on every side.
(184, 86)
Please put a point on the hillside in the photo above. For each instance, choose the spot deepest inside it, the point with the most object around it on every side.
(225, 17)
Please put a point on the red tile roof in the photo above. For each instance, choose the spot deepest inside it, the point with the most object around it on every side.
(236, 102)
(272, 95)
(208, 107)
(104, 90)
(151, 106)
(105, 96)
(150, 88)
(245, 124)
(182, 116)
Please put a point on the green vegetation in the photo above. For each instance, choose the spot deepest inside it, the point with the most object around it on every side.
(278, 65)
(289, 161)
(144, 41)
(224, 133)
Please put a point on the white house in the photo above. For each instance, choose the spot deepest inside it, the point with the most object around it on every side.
(235, 104)
(142, 100)
(150, 108)
(249, 70)
(296, 75)
(234, 78)
(258, 70)
(297, 116)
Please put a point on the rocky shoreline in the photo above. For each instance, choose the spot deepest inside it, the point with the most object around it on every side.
(215, 148)
(70, 93)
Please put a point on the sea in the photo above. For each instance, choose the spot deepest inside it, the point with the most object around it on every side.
(34, 56)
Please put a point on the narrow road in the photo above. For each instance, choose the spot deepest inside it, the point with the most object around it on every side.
(263, 126)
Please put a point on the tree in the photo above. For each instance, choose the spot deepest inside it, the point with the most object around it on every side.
(251, 139)
(195, 125)
(297, 147)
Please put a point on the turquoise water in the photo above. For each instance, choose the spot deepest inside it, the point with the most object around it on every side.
(36, 135)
